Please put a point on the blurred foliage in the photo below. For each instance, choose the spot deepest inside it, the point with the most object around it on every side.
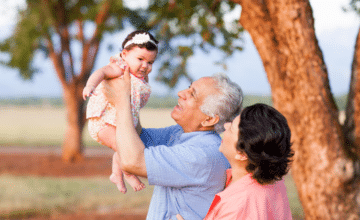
(354, 5)
(45, 25)
(186, 25)
(182, 27)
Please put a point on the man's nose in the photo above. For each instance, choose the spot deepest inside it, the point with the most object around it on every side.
(182, 94)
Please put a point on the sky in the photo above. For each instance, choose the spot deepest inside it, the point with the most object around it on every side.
(335, 30)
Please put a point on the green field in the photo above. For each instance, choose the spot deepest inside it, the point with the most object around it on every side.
(24, 196)
(45, 126)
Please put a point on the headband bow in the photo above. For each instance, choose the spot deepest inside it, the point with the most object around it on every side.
(140, 39)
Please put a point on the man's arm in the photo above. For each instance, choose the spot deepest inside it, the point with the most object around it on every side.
(128, 143)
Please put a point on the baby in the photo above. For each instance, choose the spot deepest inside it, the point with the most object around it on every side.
(139, 53)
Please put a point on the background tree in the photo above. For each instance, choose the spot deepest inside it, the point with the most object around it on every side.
(326, 164)
(52, 28)
(56, 28)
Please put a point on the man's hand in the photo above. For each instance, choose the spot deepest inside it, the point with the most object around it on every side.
(118, 90)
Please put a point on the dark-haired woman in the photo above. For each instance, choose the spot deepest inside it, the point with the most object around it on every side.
(257, 145)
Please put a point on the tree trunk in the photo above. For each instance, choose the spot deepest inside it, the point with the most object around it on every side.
(72, 147)
(324, 173)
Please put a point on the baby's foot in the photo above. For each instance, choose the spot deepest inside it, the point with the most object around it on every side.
(119, 182)
(134, 182)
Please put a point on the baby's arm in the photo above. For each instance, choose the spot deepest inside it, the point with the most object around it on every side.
(106, 72)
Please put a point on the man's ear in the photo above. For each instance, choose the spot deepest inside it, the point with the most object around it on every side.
(210, 121)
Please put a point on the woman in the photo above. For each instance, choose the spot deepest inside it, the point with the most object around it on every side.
(257, 145)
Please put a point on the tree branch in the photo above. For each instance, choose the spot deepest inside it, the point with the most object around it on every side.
(54, 56)
(258, 23)
(352, 112)
(61, 27)
(80, 24)
(57, 61)
(91, 47)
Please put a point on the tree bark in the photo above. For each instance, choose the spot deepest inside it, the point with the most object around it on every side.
(325, 174)
(72, 148)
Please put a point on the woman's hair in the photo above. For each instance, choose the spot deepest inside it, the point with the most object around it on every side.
(226, 104)
(148, 45)
(264, 135)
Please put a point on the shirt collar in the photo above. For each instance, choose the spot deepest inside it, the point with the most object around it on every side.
(188, 135)
(238, 185)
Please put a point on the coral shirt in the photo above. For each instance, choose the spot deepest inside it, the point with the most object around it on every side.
(247, 199)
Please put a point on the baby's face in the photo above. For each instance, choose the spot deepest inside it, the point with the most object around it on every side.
(140, 60)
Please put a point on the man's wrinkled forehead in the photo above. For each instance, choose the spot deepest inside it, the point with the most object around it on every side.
(205, 86)
(204, 81)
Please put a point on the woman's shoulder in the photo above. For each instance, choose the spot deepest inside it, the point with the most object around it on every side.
(246, 199)
(258, 193)
(249, 187)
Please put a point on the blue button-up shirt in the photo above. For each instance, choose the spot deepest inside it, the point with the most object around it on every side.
(187, 170)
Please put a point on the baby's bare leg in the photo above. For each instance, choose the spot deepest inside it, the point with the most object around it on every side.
(107, 136)
(117, 175)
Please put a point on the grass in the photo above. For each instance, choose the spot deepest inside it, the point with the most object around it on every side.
(24, 196)
(28, 195)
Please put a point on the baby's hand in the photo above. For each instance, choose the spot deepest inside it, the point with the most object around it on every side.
(88, 91)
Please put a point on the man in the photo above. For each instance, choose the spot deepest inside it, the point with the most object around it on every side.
(182, 161)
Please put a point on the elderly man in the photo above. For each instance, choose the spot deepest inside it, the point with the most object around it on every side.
(182, 161)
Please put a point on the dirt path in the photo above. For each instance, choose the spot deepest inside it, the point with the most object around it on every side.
(46, 161)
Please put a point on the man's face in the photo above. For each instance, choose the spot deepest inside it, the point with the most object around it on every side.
(187, 113)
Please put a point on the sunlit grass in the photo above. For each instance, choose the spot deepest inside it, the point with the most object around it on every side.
(29, 195)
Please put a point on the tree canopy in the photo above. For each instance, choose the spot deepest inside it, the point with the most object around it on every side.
(181, 26)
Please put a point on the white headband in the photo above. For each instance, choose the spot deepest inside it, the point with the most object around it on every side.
(140, 39)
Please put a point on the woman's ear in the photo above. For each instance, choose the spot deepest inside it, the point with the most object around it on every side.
(240, 156)
(210, 121)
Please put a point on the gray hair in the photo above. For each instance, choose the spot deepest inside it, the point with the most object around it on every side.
(226, 104)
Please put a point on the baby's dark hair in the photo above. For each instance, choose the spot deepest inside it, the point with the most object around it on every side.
(265, 138)
(148, 45)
